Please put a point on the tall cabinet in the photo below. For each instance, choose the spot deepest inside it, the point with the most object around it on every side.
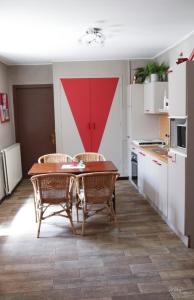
(91, 112)
(181, 161)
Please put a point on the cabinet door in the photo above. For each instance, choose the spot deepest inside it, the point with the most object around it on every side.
(75, 113)
(106, 110)
(102, 92)
(176, 191)
(141, 170)
(148, 99)
(177, 91)
(154, 93)
(163, 188)
(160, 184)
(149, 179)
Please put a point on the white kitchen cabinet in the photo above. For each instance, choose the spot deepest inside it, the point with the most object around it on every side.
(154, 94)
(163, 188)
(141, 170)
(176, 191)
(152, 180)
(160, 175)
(177, 90)
(140, 125)
(150, 187)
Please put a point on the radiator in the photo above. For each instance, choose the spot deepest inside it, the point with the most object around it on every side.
(12, 167)
(2, 190)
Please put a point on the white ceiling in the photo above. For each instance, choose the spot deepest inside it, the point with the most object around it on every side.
(45, 31)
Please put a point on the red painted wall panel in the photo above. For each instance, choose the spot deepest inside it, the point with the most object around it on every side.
(77, 91)
(102, 95)
(90, 100)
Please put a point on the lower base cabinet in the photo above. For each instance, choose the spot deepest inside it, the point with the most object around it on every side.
(164, 185)
(152, 178)
(176, 191)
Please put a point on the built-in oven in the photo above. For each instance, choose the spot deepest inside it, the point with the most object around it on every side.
(134, 168)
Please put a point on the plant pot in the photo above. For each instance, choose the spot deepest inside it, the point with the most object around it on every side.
(154, 77)
(147, 80)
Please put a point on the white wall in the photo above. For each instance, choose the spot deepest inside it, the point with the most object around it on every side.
(6, 129)
(91, 69)
(172, 54)
(27, 74)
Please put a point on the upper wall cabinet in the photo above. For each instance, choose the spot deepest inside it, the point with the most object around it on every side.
(177, 90)
(139, 124)
(154, 94)
(181, 89)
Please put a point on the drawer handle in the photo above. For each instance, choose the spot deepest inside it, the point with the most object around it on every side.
(142, 153)
(156, 162)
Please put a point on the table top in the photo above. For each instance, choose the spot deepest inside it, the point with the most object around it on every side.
(92, 166)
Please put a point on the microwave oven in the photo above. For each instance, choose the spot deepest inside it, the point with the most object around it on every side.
(181, 135)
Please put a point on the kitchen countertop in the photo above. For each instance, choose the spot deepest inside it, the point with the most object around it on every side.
(156, 151)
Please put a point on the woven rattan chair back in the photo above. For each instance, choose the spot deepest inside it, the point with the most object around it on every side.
(53, 189)
(89, 156)
(55, 158)
(96, 189)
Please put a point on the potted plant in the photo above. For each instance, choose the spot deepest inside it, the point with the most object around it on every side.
(140, 75)
(152, 69)
(152, 72)
(162, 72)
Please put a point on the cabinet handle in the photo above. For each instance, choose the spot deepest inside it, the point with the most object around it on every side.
(142, 153)
(94, 125)
(156, 162)
(89, 125)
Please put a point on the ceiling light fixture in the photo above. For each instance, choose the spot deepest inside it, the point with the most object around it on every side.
(93, 36)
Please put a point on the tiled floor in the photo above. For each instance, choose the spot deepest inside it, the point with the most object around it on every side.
(142, 261)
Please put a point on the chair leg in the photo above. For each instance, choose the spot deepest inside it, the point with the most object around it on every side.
(77, 207)
(35, 210)
(71, 222)
(39, 223)
(83, 223)
(112, 213)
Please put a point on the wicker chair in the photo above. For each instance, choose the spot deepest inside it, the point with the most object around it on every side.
(89, 156)
(95, 194)
(53, 189)
(55, 158)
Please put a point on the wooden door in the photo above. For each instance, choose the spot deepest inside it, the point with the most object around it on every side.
(34, 122)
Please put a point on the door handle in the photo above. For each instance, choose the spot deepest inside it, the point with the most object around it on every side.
(52, 138)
